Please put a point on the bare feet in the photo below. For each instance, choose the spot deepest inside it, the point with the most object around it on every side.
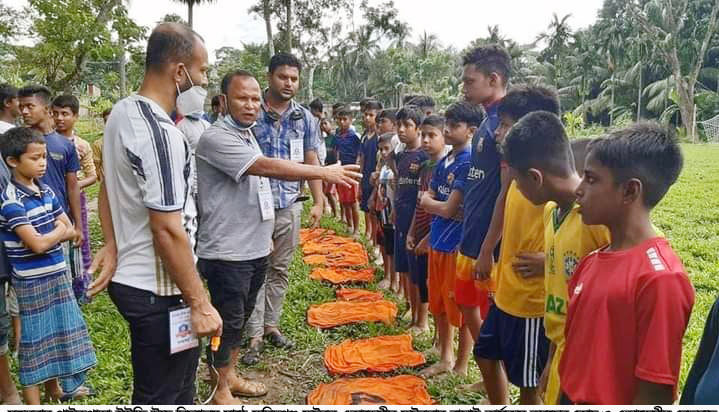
(419, 330)
(460, 370)
(13, 399)
(474, 387)
(436, 369)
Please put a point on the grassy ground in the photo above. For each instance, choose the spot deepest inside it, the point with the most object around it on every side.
(689, 216)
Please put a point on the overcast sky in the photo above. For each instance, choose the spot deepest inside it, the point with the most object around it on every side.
(455, 22)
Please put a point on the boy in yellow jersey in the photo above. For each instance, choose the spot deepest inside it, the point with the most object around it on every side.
(513, 333)
(540, 159)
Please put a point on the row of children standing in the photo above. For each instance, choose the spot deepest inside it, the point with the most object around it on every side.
(539, 250)
(43, 215)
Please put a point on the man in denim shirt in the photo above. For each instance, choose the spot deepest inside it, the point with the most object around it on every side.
(288, 131)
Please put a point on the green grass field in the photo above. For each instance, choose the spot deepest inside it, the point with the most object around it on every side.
(689, 217)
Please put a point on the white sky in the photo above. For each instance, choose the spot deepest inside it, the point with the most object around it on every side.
(455, 22)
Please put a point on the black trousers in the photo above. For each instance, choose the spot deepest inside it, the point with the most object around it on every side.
(233, 289)
(158, 377)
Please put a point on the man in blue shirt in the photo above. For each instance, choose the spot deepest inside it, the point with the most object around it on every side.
(284, 130)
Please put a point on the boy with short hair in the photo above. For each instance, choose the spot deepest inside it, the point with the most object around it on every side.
(348, 145)
(541, 161)
(65, 110)
(407, 166)
(368, 162)
(631, 349)
(9, 110)
(382, 201)
(485, 78)
(513, 332)
(444, 200)
(55, 344)
(425, 103)
(432, 143)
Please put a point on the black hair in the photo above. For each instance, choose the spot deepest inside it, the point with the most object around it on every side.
(343, 111)
(316, 105)
(215, 100)
(524, 99)
(579, 151)
(408, 98)
(538, 141)
(67, 100)
(490, 59)
(465, 112)
(413, 113)
(646, 151)
(284, 59)
(434, 121)
(372, 105)
(7, 92)
(390, 114)
(170, 43)
(385, 138)
(337, 105)
(422, 102)
(36, 90)
(225, 84)
(107, 112)
(14, 142)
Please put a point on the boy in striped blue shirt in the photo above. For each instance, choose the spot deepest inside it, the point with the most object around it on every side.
(54, 341)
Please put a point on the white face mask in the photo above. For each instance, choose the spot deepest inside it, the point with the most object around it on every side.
(192, 100)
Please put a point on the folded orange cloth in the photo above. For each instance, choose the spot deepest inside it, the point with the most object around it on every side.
(338, 258)
(331, 314)
(338, 275)
(325, 248)
(353, 294)
(379, 354)
(397, 390)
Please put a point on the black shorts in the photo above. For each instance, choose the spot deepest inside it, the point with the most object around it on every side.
(233, 289)
(388, 239)
(519, 342)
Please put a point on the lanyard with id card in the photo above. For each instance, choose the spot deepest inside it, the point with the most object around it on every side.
(182, 337)
(265, 198)
(297, 150)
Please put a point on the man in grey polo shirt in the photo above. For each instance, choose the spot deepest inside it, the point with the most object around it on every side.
(237, 218)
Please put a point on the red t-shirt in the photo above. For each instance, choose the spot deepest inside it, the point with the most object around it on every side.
(628, 311)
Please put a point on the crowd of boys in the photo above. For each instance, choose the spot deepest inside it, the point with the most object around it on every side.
(538, 250)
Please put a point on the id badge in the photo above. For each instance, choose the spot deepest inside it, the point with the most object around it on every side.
(297, 150)
(182, 337)
(267, 203)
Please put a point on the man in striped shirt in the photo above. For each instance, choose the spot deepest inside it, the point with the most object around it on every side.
(141, 202)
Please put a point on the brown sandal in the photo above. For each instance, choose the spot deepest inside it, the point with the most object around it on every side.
(250, 389)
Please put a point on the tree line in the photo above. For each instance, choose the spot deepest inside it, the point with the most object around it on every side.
(654, 59)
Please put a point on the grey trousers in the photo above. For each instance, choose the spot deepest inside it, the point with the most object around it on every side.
(271, 295)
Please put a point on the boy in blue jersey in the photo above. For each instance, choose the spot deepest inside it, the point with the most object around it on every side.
(408, 163)
(368, 163)
(347, 145)
(444, 201)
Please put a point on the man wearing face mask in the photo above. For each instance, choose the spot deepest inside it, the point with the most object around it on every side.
(190, 105)
(147, 259)
(284, 130)
(238, 219)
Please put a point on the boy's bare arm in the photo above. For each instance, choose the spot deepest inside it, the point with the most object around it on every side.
(106, 257)
(41, 243)
(649, 393)
(485, 259)
(447, 209)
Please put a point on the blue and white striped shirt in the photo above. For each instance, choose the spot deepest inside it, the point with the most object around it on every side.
(22, 206)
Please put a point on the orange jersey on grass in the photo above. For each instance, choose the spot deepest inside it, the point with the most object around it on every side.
(353, 294)
(331, 314)
(397, 390)
(378, 354)
(338, 275)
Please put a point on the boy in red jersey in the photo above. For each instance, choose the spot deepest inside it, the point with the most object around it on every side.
(629, 303)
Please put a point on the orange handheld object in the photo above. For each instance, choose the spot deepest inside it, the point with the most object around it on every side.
(215, 343)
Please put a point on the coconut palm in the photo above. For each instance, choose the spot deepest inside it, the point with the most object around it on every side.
(190, 5)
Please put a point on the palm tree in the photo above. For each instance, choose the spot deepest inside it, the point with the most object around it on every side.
(190, 6)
